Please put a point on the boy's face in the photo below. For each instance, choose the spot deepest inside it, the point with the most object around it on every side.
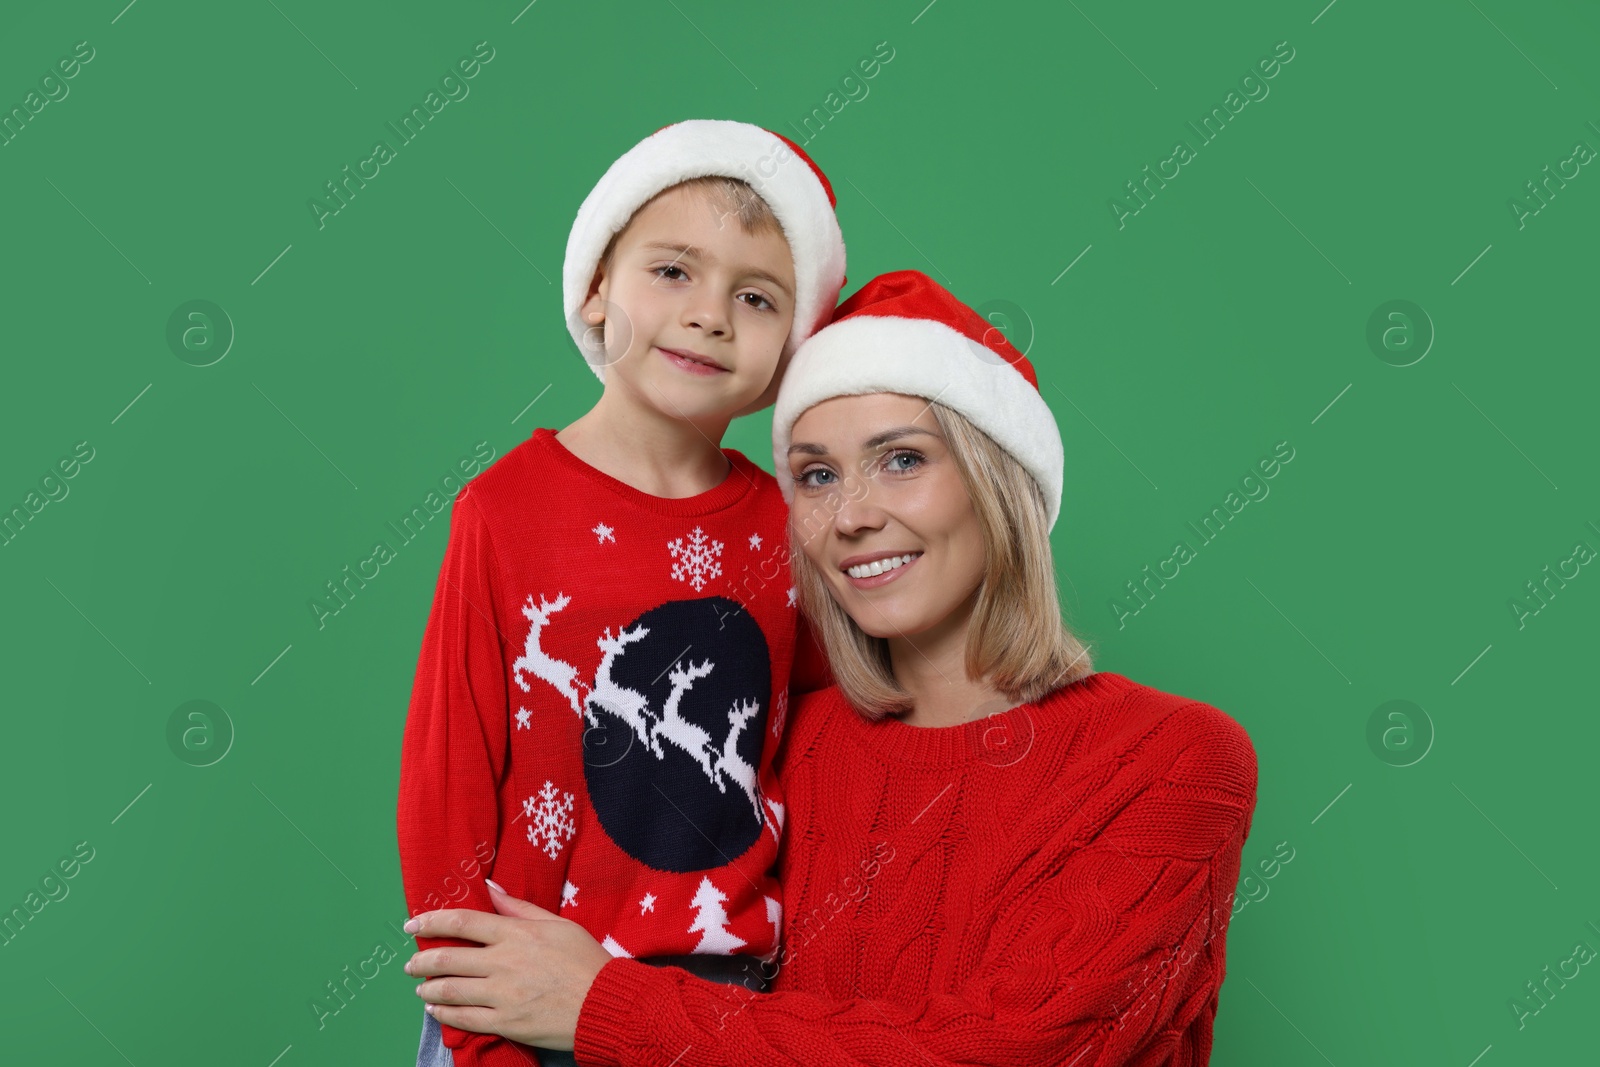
(696, 309)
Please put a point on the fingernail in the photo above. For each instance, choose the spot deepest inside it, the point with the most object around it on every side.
(428, 1008)
(496, 885)
(411, 926)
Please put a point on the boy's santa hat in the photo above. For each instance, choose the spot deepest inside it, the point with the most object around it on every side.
(903, 332)
(778, 170)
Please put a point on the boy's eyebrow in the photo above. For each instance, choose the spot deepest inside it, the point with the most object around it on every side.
(693, 252)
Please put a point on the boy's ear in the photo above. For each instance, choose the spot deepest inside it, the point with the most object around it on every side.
(594, 304)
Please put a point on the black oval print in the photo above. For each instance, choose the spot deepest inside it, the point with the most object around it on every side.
(673, 732)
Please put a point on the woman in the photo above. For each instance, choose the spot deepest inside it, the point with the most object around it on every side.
(993, 854)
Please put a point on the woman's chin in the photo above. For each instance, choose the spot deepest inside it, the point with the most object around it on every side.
(889, 621)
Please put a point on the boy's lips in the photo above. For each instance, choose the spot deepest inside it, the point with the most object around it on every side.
(698, 362)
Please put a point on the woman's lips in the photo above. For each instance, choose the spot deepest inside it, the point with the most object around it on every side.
(882, 579)
(693, 366)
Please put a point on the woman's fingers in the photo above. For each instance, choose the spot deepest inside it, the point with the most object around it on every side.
(506, 904)
(465, 962)
(477, 1020)
(464, 923)
(453, 989)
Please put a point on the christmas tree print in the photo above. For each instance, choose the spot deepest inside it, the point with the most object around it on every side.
(775, 917)
(711, 922)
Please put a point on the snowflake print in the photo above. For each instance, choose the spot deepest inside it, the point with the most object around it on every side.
(780, 711)
(604, 533)
(523, 714)
(550, 826)
(648, 903)
(569, 895)
(696, 560)
(793, 592)
(755, 541)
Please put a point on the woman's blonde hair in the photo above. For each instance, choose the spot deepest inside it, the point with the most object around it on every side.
(1017, 639)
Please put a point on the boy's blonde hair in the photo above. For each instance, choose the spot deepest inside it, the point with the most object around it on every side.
(736, 195)
(1016, 639)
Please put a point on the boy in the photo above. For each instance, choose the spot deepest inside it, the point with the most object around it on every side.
(603, 677)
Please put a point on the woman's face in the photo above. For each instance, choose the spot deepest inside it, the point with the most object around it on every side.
(875, 483)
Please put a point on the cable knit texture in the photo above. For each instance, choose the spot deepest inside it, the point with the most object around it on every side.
(1051, 885)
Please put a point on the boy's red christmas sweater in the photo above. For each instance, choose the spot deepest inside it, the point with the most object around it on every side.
(601, 688)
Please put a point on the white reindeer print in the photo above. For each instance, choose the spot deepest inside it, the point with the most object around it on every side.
(629, 705)
(729, 761)
(680, 731)
(563, 676)
(653, 727)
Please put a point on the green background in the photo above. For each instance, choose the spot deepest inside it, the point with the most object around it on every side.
(1228, 315)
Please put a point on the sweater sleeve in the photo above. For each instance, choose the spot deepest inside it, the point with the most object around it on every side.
(1106, 951)
(453, 757)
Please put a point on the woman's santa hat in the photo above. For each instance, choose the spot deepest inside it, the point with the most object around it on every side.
(903, 332)
(778, 170)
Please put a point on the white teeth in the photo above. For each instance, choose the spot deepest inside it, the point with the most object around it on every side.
(867, 570)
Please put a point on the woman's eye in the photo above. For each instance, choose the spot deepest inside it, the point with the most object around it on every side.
(805, 477)
(897, 456)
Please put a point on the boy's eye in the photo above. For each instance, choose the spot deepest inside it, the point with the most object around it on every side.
(759, 302)
(671, 272)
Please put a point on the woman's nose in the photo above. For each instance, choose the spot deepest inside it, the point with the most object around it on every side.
(859, 508)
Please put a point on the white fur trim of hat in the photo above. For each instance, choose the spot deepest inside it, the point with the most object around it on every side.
(903, 333)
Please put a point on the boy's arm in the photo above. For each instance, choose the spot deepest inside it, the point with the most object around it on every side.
(453, 756)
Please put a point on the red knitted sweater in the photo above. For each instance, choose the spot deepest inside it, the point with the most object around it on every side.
(1051, 885)
(598, 700)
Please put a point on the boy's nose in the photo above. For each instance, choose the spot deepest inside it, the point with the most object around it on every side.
(708, 318)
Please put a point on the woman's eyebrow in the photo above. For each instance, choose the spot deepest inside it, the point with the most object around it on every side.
(894, 435)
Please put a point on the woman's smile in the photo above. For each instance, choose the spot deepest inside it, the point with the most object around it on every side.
(879, 571)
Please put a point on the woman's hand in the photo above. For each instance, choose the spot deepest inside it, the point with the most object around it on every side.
(526, 983)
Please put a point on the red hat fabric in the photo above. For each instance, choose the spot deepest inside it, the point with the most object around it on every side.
(903, 332)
